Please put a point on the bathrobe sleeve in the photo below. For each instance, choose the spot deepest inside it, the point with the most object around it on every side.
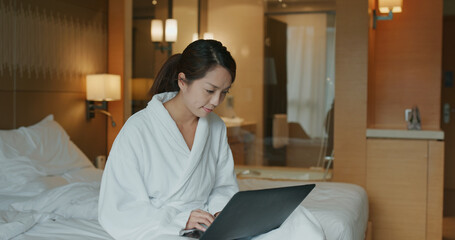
(225, 180)
(125, 210)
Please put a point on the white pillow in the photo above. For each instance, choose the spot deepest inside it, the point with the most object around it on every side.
(45, 145)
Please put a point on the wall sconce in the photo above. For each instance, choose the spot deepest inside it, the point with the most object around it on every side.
(101, 88)
(170, 34)
(387, 6)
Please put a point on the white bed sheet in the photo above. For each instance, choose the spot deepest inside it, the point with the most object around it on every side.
(341, 208)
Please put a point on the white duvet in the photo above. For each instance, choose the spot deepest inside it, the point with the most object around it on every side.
(74, 200)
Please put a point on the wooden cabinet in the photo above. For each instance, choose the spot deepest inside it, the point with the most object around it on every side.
(404, 181)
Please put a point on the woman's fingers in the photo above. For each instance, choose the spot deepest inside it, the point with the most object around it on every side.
(198, 217)
(204, 216)
(200, 227)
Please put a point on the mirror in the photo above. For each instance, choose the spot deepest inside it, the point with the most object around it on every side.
(299, 88)
(147, 57)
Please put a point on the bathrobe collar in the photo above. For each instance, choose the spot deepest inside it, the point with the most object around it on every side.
(168, 126)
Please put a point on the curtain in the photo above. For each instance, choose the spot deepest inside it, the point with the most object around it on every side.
(307, 85)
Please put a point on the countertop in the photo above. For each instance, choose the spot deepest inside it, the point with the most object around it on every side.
(405, 134)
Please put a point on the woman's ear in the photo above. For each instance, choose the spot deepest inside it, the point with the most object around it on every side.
(181, 80)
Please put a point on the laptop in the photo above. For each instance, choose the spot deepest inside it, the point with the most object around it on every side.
(251, 213)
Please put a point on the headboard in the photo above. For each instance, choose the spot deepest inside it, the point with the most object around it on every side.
(50, 47)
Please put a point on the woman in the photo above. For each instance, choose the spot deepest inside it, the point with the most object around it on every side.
(170, 167)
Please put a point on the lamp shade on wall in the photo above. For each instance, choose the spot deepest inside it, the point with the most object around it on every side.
(386, 5)
(157, 30)
(171, 30)
(103, 87)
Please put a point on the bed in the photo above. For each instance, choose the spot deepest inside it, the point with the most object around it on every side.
(49, 190)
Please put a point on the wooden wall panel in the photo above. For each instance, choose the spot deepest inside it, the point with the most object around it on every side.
(449, 200)
(6, 81)
(48, 48)
(396, 185)
(448, 96)
(351, 73)
(435, 187)
(116, 62)
(57, 43)
(6, 110)
(407, 66)
(371, 68)
(69, 111)
(73, 83)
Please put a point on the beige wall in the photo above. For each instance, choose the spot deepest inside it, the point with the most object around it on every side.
(239, 25)
(185, 11)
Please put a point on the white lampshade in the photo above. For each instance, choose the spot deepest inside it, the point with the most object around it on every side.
(386, 5)
(103, 87)
(208, 35)
(156, 30)
(171, 30)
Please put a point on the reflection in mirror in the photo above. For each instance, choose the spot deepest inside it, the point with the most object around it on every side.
(143, 60)
(147, 59)
(299, 71)
(299, 88)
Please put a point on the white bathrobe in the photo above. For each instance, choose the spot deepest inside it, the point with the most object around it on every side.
(152, 180)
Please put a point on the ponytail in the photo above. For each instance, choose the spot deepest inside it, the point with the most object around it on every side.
(166, 79)
(195, 61)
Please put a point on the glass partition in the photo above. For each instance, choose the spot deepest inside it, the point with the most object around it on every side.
(298, 94)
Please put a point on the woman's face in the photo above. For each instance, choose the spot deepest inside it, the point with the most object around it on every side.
(203, 95)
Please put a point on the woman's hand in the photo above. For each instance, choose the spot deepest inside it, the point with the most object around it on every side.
(198, 217)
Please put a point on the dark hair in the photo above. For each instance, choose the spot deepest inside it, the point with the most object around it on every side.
(196, 60)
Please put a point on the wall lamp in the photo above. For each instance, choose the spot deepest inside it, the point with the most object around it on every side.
(170, 34)
(387, 6)
(101, 88)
